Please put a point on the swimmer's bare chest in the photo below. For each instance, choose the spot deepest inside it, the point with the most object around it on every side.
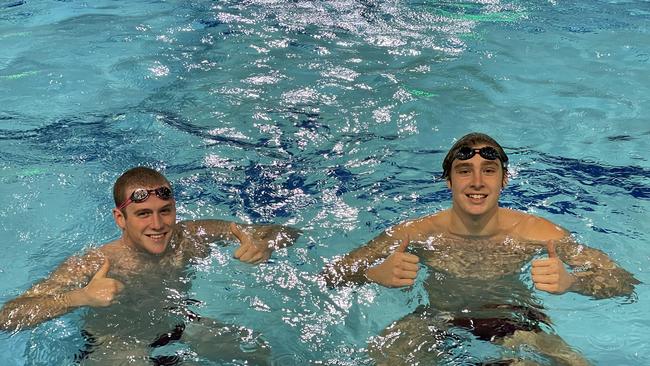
(476, 258)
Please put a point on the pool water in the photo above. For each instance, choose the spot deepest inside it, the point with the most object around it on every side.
(331, 116)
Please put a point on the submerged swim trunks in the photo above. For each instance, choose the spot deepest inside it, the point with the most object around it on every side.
(429, 337)
(92, 342)
(511, 318)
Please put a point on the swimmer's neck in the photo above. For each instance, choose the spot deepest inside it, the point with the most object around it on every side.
(482, 226)
(134, 253)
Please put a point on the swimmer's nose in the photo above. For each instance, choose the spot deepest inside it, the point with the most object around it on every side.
(156, 221)
(477, 179)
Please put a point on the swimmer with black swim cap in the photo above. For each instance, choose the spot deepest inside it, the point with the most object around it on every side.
(474, 252)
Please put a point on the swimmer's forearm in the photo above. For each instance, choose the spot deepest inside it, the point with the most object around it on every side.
(26, 312)
(604, 284)
(279, 236)
(343, 271)
(355, 266)
(595, 273)
(335, 278)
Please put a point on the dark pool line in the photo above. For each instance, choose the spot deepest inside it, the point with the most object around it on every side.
(14, 4)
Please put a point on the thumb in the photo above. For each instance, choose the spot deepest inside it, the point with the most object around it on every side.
(550, 248)
(403, 246)
(238, 233)
(103, 270)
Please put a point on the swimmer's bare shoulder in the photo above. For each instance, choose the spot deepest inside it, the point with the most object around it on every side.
(123, 260)
(422, 228)
(113, 251)
(530, 228)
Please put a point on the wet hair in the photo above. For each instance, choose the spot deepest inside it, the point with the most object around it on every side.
(472, 140)
(139, 176)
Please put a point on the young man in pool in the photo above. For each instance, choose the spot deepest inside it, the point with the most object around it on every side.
(476, 254)
(136, 286)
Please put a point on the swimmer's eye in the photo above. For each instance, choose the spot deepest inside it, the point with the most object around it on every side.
(490, 171)
(463, 171)
(143, 214)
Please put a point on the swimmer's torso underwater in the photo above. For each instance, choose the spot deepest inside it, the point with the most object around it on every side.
(155, 310)
(479, 289)
(468, 274)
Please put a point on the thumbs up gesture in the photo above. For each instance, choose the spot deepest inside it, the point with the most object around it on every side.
(398, 270)
(250, 250)
(102, 291)
(549, 273)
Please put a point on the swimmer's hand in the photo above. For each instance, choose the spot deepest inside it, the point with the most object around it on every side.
(250, 250)
(101, 291)
(398, 270)
(549, 274)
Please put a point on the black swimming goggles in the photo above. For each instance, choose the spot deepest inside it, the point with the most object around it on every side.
(486, 152)
(141, 195)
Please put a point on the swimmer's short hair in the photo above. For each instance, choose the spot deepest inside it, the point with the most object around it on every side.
(472, 140)
(139, 176)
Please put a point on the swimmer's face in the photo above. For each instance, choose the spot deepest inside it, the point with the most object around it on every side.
(476, 184)
(147, 226)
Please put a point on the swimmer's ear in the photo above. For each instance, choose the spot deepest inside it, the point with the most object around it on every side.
(119, 218)
(504, 181)
(448, 181)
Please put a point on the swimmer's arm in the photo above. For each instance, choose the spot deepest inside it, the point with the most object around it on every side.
(274, 236)
(58, 294)
(353, 267)
(204, 232)
(595, 274)
(208, 230)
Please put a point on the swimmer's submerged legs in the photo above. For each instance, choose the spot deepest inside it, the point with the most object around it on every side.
(216, 341)
(423, 338)
(111, 350)
(202, 340)
(550, 346)
(409, 341)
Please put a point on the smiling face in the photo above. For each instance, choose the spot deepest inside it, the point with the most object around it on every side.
(147, 226)
(475, 185)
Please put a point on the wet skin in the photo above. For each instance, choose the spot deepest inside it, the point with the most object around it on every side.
(475, 253)
(147, 226)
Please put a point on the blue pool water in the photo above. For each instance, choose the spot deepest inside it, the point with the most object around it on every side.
(334, 117)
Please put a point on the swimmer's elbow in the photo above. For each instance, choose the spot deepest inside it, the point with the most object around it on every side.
(291, 234)
(9, 322)
(331, 276)
(629, 286)
(622, 285)
(286, 236)
(328, 280)
(5, 326)
(626, 283)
